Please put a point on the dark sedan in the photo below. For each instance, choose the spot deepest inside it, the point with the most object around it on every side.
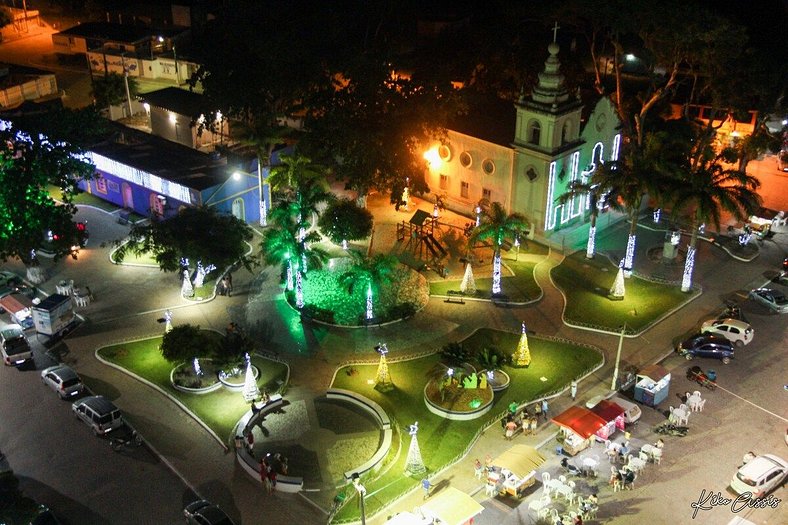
(704, 345)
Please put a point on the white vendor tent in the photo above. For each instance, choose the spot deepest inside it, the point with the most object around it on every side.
(451, 506)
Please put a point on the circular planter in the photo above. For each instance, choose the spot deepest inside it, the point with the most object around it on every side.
(500, 380)
(192, 390)
(472, 404)
(229, 382)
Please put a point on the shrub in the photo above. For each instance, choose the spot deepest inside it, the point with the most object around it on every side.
(319, 314)
(455, 354)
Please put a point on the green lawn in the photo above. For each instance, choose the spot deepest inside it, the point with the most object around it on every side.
(441, 440)
(144, 259)
(220, 410)
(83, 198)
(586, 283)
(519, 288)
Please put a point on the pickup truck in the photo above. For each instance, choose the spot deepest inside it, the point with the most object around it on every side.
(14, 347)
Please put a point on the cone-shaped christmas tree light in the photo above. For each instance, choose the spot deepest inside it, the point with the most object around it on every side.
(251, 392)
(167, 321)
(383, 377)
(186, 288)
(522, 356)
(468, 284)
(414, 465)
(617, 290)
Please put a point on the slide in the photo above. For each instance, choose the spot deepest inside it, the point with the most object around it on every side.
(430, 247)
(437, 245)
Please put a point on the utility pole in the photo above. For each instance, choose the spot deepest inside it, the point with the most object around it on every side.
(126, 79)
(618, 357)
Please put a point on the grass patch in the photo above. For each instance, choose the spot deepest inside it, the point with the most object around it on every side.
(520, 287)
(442, 440)
(144, 259)
(586, 283)
(83, 198)
(219, 410)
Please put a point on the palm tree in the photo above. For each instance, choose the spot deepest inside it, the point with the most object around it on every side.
(497, 226)
(704, 192)
(370, 273)
(292, 173)
(262, 138)
(591, 192)
(624, 183)
(281, 244)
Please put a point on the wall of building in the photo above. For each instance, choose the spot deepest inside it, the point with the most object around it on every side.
(34, 89)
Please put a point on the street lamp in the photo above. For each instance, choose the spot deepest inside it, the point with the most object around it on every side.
(126, 78)
(517, 245)
(362, 491)
(618, 357)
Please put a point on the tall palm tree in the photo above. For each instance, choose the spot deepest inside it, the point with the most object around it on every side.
(262, 138)
(292, 173)
(281, 244)
(498, 226)
(706, 190)
(626, 182)
(370, 273)
(595, 195)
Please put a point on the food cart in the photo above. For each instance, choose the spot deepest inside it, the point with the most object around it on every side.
(577, 426)
(613, 414)
(515, 470)
(451, 506)
(18, 307)
(651, 387)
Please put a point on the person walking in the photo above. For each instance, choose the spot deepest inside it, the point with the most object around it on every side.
(250, 443)
(533, 424)
(426, 485)
(229, 278)
(573, 390)
(526, 426)
(544, 409)
(511, 426)
(538, 410)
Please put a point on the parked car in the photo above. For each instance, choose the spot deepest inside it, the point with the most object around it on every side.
(705, 345)
(760, 475)
(12, 283)
(63, 380)
(735, 331)
(772, 299)
(99, 413)
(203, 512)
(15, 349)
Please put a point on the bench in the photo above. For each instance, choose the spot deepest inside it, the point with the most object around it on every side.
(381, 453)
(123, 216)
(363, 402)
(274, 402)
(455, 297)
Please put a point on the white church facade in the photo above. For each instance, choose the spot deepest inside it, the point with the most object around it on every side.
(527, 162)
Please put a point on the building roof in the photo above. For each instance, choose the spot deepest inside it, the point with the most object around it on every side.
(654, 372)
(109, 32)
(580, 420)
(157, 156)
(452, 506)
(181, 101)
(607, 410)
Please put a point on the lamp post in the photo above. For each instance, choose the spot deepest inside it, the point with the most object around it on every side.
(618, 356)
(126, 79)
(517, 245)
(362, 491)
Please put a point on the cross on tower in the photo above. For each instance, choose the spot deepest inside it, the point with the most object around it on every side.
(556, 27)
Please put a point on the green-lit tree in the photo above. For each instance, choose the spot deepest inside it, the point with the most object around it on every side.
(186, 342)
(197, 234)
(498, 226)
(344, 220)
(41, 151)
(370, 274)
(281, 245)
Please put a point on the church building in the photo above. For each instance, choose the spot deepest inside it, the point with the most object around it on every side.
(527, 156)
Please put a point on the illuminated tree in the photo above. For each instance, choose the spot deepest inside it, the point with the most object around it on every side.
(185, 342)
(370, 273)
(522, 355)
(468, 284)
(498, 227)
(343, 220)
(414, 463)
(618, 289)
(281, 245)
(40, 151)
(251, 390)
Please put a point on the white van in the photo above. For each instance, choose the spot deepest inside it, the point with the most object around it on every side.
(632, 411)
(99, 413)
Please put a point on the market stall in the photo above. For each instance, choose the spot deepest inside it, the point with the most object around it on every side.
(613, 414)
(515, 470)
(577, 425)
(451, 506)
(18, 307)
(652, 384)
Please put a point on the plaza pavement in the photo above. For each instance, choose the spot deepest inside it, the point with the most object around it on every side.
(130, 301)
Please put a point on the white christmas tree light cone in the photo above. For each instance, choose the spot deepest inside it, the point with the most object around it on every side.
(414, 464)
(186, 289)
(617, 290)
(468, 284)
(251, 392)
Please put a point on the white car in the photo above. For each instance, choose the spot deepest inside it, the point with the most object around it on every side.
(14, 347)
(760, 476)
(735, 331)
(772, 299)
(63, 380)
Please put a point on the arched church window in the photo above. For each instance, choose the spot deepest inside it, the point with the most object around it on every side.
(534, 133)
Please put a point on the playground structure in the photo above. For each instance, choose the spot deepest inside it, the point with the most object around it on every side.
(420, 234)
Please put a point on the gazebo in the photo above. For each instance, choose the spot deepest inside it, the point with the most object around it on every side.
(515, 469)
(578, 425)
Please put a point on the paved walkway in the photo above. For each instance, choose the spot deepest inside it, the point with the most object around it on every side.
(130, 302)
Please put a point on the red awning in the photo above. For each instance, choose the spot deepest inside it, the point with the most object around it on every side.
(607, 410)
(580, 420)
(15, 302)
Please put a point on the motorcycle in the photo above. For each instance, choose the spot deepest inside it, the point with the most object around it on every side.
(670, 429)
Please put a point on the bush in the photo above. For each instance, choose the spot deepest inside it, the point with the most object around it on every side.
(318, 314)
(455, 354)
(402, 311)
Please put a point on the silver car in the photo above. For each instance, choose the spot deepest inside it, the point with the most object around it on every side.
(772, 299)
(63, 380)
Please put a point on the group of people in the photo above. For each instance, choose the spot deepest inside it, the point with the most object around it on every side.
(523, 420)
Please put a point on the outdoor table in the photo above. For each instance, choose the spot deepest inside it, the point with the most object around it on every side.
(648, 450)
(679, 415)
(590, 465)
(63, 288)
(693, 401)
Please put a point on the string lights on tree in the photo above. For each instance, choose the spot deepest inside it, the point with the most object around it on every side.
(522, 355)
(369, 313)
(468, 284)
(290, 281)
(414, 464)
(656, 215)
(382, 378)
(299, 290)
(689, 266)
(590, 245)
(629, 257)
(618, 289)
(496, 285)
(250, 390)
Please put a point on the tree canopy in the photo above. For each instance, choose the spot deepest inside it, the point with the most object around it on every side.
(41, 151)
(187, 341)
(344, 220)
(197, 234)
(110, 90)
